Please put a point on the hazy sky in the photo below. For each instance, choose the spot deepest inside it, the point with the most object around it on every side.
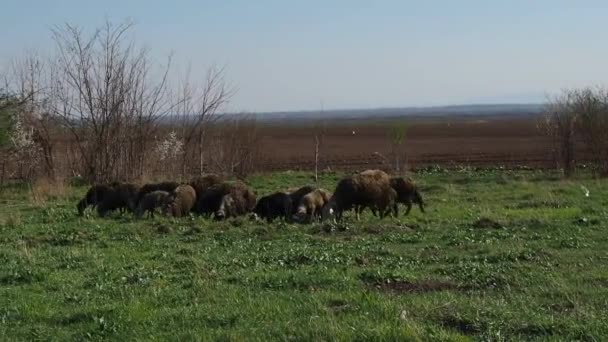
(289, 55)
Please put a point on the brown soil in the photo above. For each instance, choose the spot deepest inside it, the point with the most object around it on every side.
(494, 141)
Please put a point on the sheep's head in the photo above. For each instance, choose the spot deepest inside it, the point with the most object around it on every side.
(418, 199)
(226, 208)
(329, 209)
(168, 206)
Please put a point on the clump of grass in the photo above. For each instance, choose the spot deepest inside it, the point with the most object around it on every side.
(12, 221)
(44, 190)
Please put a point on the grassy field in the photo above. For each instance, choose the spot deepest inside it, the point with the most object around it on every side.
(499, 255)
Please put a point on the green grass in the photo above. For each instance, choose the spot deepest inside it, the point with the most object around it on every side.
(499, 255)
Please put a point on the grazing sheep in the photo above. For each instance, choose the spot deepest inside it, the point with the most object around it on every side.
(367, 189)
(311, 205)
(407, 193)
(93, 197)
(150, 202)
(296, 195)
(148, 188)
(239, 201)
(209, 201)
(202, 183)
(180, 201)
(274, 206)
(122, 197)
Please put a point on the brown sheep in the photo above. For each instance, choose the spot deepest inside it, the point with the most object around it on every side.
(296, 195)
(407, 193)
(367, 189)
(121, 197)
(311, 205)
(237, 199)
(202, 183)
(150, 202)
(180, 201)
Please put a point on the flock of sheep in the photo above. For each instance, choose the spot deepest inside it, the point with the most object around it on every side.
(210, 196)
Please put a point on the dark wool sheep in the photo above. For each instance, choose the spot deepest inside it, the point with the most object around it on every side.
(150, 202)
(93, 197)
(407, 193)
(202, 183)
(210, 201)
(121, 197)
(239, 201)
(180, 201)
(311, 205)
(274, 206)
(148, 188)
(296, 195)
(367, 189)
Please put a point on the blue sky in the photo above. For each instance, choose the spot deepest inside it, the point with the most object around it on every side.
(292, 55)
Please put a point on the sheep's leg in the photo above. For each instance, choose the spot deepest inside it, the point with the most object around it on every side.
(409, 207)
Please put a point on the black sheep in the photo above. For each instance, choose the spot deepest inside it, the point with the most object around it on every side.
(122, 197)
(274, 206)
(93, 197)
(148, 188)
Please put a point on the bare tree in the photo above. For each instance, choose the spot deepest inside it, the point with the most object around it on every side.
(591, 108)
(320, 129)
(396, 136)
(31, 81)
(105, 93)
(559, 123)
(234, 143)
(198, 109)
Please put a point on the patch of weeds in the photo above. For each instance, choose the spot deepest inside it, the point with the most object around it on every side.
(462, 325)
(536, 330)
(12, 221)
(479, 275)
(340, 306)
(330, 227)
(539, 204)
(56, 214)
(163, 229)
(70, 239)
(487, 223)
(403, 238)
(220, 321)
(584, 221)
(573, 242)
(530, 224)
(298, 281)
(193, 230)
(391, 283)
(14, 275)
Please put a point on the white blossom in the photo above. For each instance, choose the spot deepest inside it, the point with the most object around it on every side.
(170, 148)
